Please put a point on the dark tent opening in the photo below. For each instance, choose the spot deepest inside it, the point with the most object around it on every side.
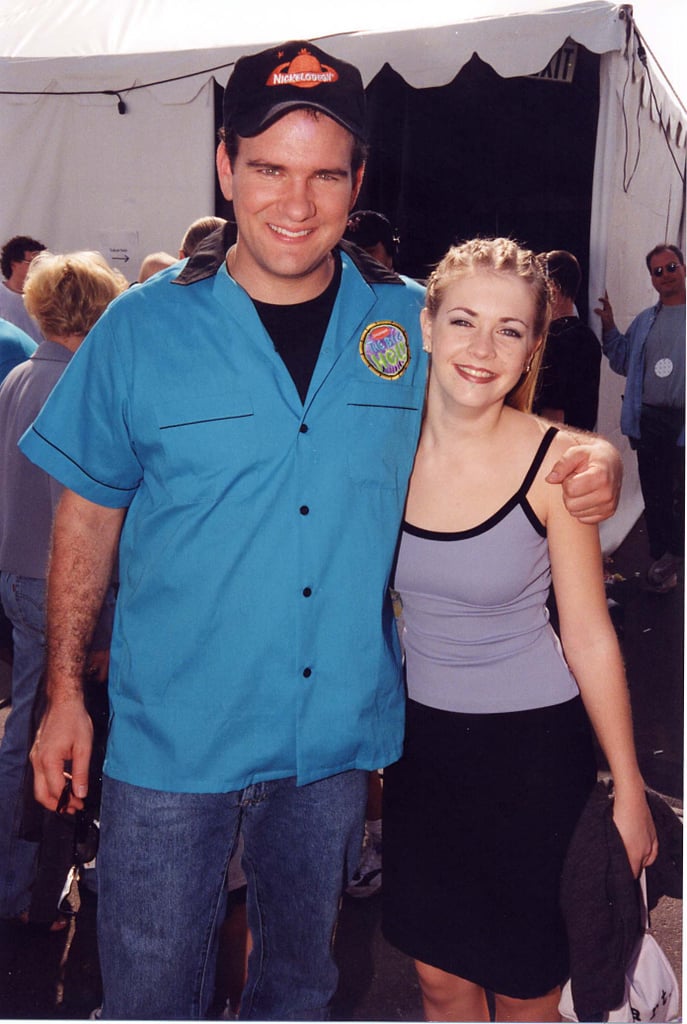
(482, 155)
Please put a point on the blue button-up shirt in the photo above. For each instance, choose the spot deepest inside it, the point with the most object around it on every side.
(254, 635)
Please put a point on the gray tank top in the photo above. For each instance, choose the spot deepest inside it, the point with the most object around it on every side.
(476, 629)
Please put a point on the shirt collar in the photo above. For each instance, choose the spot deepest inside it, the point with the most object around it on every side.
(211, 253)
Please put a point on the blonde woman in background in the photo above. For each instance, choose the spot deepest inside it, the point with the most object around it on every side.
(65, 294)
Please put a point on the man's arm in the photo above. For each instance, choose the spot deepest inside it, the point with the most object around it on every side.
(84, 543)
(615, 346)
(591, 473)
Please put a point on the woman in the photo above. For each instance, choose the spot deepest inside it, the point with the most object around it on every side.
(498, 759)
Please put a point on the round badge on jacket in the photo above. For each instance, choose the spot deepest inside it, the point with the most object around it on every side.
(663, 368)
(384, 349)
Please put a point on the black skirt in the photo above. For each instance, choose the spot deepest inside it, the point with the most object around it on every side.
(478, 814)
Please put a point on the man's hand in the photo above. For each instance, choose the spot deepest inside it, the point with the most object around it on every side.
(605, 312)
(64, 735)
(591, 475)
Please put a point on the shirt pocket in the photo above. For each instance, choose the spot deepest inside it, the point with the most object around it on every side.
(382, 421)
(208, 445)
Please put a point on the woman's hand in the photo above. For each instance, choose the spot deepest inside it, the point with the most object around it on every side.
(633, 820)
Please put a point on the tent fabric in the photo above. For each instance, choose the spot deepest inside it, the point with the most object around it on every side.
(638, 201)
(513, 33)
(85, 176)
(88, 174)
(82, 45)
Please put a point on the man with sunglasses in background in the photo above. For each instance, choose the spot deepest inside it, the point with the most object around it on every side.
(651, 354)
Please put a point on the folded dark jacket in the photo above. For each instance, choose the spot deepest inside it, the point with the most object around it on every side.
(601, 900)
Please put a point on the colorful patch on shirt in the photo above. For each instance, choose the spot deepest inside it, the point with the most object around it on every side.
(384, 349)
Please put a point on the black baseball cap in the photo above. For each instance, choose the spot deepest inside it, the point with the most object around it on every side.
(266, 85)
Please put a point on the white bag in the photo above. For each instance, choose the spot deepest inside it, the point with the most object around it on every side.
(651, 988)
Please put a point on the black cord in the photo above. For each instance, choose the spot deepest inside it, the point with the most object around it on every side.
(121, 105)
(627, 179)
(641, 54)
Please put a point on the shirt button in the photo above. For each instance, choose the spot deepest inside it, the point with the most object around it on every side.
(304, 428)
(304, 510)
(307, 672)
(307, 591)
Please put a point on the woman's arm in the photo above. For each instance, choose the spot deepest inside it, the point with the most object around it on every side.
(593, 654)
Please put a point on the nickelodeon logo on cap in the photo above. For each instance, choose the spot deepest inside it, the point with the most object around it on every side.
(305, 71)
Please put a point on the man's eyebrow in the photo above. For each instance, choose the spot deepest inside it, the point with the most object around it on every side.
(339, 172)
(257, 162)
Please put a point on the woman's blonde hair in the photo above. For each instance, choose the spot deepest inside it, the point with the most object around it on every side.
(499, 256)
(67, 293)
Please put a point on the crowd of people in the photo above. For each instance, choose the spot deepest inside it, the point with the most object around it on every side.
(298, 468)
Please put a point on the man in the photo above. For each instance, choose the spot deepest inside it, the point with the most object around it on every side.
(255, 416)
(16, 258)
(371, 231)
(651, 354)
(568, 391)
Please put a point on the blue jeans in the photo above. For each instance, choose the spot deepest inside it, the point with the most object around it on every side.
(24, 602)
(161, 867)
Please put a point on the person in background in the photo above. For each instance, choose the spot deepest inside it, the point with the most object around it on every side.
(15, 259)
(66, 294)
(153, 263)
(194, 235)
(651, 354)
(15, 347)
(498, 762)
(568, 388)
(372, 232)
(197, 232)
(247, 422)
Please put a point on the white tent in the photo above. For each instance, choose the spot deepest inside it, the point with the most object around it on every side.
(80, 174)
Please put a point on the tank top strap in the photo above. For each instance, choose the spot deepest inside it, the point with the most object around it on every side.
(537, 460)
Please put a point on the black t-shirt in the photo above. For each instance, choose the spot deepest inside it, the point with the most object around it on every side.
(298, 331)
(569, 378)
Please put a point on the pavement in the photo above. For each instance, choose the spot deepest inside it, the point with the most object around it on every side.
(56, 976)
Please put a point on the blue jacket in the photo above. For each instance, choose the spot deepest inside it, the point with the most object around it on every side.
(626, 355)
